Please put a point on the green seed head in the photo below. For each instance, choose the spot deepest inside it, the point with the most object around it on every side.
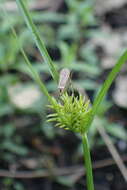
(70, 113)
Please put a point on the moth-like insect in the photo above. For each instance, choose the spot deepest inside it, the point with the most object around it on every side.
(64, 80)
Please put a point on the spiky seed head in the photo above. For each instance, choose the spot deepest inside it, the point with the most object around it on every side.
(72, 113)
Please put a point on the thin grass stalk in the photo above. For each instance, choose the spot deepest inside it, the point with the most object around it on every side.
(88, 165)
(116, 69)
(54, 74)
(34, 74)
(39, 43)
(106, 85)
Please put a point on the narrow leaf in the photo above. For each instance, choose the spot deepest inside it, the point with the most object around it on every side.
(108, 82)
(34, 74)
(40, 44)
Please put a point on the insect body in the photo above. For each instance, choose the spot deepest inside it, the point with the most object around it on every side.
(64, 80)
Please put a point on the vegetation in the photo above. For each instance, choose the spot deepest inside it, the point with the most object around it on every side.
(19, 63)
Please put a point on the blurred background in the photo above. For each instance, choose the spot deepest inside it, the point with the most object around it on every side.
(86, 36)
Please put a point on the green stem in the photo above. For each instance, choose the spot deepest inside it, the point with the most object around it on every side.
(88, 165)
(39, 43)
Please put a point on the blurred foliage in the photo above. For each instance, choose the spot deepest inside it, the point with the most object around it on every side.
(66, 36)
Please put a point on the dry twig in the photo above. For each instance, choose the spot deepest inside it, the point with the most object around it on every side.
(58, 171)
(112, 149)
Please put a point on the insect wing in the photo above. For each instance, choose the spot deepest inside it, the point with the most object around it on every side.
(63, 80)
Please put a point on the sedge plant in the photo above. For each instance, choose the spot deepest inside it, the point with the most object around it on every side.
(69, 112)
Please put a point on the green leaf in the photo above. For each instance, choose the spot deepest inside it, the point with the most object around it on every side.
(36, 76)
(17, 149)
(48, 130)
(7, 130)
(48, 17)
(86, 84)
(37, 39)
(68, 181)
(33, 72)
(89, 69)
(5, 109)
(116, 130)
(108, 82)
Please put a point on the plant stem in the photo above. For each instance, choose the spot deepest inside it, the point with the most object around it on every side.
(106, 85)
(39, 42)
(88, 165)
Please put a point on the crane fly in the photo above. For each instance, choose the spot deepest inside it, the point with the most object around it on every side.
(64, 80)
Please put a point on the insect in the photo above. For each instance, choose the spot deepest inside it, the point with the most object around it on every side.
(64, 80)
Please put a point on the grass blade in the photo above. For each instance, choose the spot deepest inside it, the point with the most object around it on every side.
(108, 82)
(34, 74)
(38, 41)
